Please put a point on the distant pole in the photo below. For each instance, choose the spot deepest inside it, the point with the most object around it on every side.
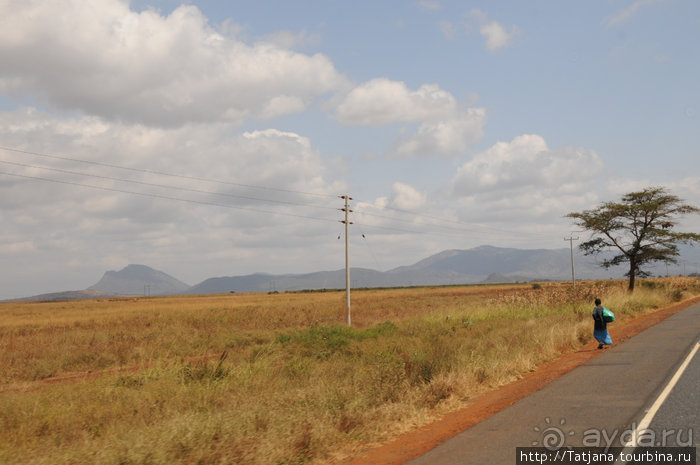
(347, 222)
(573, 273)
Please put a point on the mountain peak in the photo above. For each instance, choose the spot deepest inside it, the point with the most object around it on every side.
(138, 279)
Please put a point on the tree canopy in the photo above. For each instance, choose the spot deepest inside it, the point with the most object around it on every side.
(639, 228)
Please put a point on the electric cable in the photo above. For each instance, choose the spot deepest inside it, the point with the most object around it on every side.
(215, 181)
(161, 173)
(166, 197)
(143, 183)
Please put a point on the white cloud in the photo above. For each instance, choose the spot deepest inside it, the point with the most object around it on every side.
(284, 161)
(450, 136)
(514, 194)
(382, 101)
(291, 40)
(497, 36)
(430, 5)
(527, 163)
(101, 58)
(446, 127)
(283, 105)
(626, 13)
(405, 197)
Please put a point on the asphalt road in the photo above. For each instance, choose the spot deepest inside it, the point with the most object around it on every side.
(599, 403)
(677, 423)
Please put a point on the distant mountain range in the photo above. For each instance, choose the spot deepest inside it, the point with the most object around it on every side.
(483, 264)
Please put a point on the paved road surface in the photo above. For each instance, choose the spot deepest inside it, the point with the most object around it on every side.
(601, 400)
(677, 423)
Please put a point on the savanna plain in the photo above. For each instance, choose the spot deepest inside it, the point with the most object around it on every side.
(277, 378)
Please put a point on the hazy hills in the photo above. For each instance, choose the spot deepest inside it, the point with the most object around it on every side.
(478, 265)
(483, 264)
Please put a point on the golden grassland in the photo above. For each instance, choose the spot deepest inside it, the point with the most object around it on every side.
(278, 378)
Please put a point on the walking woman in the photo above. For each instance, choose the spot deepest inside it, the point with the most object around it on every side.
(600, 331)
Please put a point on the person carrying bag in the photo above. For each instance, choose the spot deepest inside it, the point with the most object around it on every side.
(602, 316)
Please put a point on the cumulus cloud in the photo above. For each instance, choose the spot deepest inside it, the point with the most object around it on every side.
(446, 127)
(290, 39)
(406, 197)
(382, 101)
(104, 59)
(526, 174)
(269, 157)
(450, 136)
(497, 36)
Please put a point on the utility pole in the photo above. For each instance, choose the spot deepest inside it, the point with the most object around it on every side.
(347, 222)
(571, 243)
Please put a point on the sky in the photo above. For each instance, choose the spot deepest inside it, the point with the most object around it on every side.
(207, 138)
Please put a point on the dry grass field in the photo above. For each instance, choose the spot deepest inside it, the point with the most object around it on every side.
(275, 379)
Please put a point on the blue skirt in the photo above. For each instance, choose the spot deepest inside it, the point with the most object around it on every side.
(602, 336)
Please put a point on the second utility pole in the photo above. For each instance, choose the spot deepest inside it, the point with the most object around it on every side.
(347, 258)
(573, 273)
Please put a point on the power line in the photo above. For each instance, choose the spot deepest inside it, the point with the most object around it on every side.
(216, 181)
(162, 173)
(166, 197)
(59, 170)
(164, 186)
(370, 249)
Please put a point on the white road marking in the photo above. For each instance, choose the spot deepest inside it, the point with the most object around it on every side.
(646, 421)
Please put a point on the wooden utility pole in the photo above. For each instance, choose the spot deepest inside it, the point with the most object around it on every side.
(571, 243)
(347, 210)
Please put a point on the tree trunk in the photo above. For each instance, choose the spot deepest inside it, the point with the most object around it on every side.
(632, 274)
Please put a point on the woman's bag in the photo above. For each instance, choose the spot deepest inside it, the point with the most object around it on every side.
(608, 316)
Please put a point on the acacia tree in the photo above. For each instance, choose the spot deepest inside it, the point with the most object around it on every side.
(639, 228)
